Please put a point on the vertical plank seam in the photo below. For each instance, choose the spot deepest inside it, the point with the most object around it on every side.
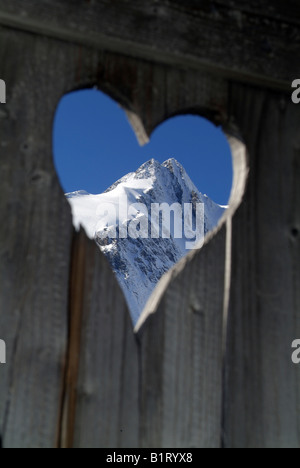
(227, 289)
(76, 299)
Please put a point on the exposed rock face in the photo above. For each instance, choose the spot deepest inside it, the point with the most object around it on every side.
(139, 260)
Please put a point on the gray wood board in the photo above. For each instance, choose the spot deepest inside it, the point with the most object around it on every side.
(262, 384)
(35, 239)
(256, 42)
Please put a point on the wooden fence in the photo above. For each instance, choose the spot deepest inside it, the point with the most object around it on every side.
(209, 364)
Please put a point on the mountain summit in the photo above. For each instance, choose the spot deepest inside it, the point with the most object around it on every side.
(145, 223)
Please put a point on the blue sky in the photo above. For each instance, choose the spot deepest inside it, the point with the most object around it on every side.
(94, 145)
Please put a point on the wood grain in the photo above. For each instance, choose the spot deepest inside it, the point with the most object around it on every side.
(262, 384)
(210, 363)
(181, 356)
(35, 239)
(251, 42)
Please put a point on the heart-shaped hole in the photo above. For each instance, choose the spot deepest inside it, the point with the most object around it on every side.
(144, 222)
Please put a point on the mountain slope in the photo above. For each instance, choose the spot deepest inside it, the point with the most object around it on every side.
(124, 220)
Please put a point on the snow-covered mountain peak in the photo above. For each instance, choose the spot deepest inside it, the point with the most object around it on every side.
(138, 246)
(151, 168)
(79, 193)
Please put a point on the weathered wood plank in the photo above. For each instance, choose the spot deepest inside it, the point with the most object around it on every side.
(142, 87)
(35, 239)
(262, 384)
(101, 394)
(181, 355)
(260, 44)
